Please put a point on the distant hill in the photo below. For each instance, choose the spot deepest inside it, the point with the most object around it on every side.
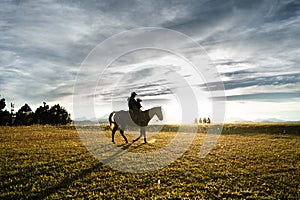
(84, 120)
(268, 120)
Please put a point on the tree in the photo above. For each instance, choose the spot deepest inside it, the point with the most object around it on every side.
(5, 116)
(59, 115)
(196, 121)
(2, 104)
(24, 116)
(42, 115)
(208, 120)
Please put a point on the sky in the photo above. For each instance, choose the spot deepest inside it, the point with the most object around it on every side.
(51, 51)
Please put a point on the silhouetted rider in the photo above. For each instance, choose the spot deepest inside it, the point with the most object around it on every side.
(139, 103)
(132, 103)
(134, 107)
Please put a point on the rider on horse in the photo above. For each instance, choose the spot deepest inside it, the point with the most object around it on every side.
(134, 107)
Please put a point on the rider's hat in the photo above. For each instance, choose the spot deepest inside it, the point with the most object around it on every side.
(133, 94)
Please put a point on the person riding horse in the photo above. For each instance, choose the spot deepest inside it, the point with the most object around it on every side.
(134, 107)
(134, 117)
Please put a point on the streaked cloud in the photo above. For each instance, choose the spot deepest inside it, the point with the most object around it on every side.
(253, 44)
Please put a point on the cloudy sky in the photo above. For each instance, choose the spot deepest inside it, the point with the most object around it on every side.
(46, 46)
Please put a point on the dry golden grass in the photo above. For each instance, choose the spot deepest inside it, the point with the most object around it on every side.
(248, 161)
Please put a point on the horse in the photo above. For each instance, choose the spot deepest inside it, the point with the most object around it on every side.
(122, 119)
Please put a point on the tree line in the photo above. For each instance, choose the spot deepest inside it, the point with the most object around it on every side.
(55, 115)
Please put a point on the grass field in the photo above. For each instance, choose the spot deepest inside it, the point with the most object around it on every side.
(255, 161)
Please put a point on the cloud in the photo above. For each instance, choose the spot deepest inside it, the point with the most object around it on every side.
(147, 80)
(263, 97)
(252, 44)
(257, 81)
(286, 11)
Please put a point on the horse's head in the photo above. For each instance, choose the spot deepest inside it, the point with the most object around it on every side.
(159, 113)
(156, 111)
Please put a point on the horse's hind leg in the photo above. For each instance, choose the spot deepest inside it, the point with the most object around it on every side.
(122, 133)
(113, 133)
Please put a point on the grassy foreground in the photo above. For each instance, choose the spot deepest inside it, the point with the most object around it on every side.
(249, 161)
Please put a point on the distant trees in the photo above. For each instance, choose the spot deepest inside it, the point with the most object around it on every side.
(203, 121)
(195, 121)
(208, 120)
(56, 115)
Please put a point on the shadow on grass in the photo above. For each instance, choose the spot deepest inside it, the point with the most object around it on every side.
(67, 182)
(124, 146)
(29, 171)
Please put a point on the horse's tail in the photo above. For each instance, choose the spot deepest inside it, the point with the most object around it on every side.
(110, 119)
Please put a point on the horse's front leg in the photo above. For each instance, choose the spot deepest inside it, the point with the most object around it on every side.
(139, 136)
(143, 132)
